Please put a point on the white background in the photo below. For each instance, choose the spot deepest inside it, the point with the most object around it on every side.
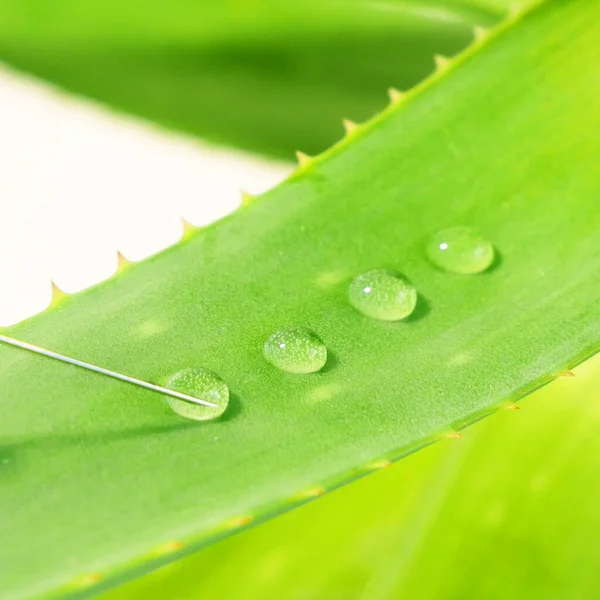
(78, 182)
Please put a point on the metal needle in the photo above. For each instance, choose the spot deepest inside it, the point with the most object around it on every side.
(79, 363)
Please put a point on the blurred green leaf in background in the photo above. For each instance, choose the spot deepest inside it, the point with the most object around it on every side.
(268, 75)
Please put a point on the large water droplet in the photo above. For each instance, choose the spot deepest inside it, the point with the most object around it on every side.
(201, 384)
(460, 250)
(296, 350)
(382, 294)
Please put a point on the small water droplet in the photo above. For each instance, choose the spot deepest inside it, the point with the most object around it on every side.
(460, 250)
(296, 350)
(382, 294)
(202, 384)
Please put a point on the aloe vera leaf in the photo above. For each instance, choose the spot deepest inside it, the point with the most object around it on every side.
(272, 79)
(487, 516)
(102, 475)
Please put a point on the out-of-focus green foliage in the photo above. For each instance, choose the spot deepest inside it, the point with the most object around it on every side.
(266, 75)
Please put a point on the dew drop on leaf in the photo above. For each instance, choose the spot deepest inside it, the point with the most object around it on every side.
(296, 350)
(382, 294)
(202, 384)
(460, 250)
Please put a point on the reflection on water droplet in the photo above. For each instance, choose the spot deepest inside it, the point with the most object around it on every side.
(201, 384)
(382, 294)
(296, 350)
(460, 250)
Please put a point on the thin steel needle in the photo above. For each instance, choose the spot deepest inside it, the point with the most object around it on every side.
(79, 363)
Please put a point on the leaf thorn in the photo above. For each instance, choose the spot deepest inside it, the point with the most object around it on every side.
(303, 159)
(239, 521)
(247, 198)
(89, 579)
(512, 406)
(380, 464)
(122, 262)
(313, 493)
(188, 228)
(349, 126)
(480, 33)
(169, 547)
(441, 62)
(57, 294)
(395, 95)
(567, 374)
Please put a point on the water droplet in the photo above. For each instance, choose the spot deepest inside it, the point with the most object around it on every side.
(382, 294)
(460, 250)
(296, 350)
(201, 384)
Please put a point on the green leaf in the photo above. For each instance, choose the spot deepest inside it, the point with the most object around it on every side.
(272, 77)
(100, 475)
(509, 511)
